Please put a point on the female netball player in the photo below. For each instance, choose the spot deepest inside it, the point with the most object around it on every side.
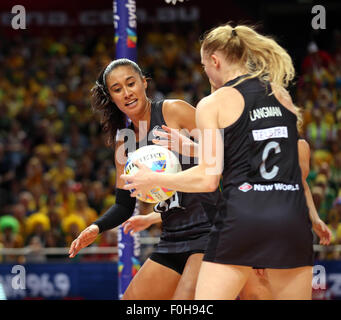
(120, 93)
(257, 286)
(263, 219)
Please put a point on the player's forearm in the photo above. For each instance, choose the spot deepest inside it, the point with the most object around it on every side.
(313, 214)
(195, 179)
(154, 217)
(193, 148)
(121, 211)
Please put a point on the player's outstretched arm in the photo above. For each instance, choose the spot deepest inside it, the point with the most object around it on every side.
(121, 211)
(86, 237)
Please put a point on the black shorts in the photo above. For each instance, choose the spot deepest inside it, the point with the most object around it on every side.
(261, 230)
(174, 261)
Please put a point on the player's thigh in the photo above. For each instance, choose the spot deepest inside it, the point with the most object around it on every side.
(186, 287)
(220, 281)
(256, 288)
(152, 282)
(291, 284)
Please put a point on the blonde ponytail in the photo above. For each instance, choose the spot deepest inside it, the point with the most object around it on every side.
(261, 55)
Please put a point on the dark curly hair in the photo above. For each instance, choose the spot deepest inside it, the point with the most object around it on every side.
(112, 118)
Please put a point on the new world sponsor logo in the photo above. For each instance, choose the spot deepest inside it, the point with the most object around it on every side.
(245, 187)
(276, 187)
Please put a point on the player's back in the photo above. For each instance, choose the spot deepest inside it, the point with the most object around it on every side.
(261, 146)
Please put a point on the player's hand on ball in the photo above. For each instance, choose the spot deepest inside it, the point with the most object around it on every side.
(141, 182)
(136, 224)
(175, 141)
(86, 237)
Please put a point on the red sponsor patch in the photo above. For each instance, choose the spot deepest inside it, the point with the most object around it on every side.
(245, 187)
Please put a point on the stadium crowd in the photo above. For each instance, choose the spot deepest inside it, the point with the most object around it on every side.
(56, 174)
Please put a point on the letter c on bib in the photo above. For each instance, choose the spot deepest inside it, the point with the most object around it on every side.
(265, 174)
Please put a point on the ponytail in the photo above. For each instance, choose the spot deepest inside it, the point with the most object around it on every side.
(261, 55)
(112, 118)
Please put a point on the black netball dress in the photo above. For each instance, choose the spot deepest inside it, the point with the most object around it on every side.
(186, 217)
(262, 220)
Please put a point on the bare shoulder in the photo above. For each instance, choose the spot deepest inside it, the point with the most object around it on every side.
(171, 105)
(283, 96)
(227, 105)
(178, 114)
(221, 95)
(226, 92)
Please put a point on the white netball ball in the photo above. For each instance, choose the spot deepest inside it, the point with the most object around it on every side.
(158, 159)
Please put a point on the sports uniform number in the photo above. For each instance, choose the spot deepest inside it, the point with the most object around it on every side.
(267, 175)
(173, 202)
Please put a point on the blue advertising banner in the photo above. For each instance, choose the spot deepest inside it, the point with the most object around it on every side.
(99, 281)
(327, 280)
(125, 24)
(89, 281)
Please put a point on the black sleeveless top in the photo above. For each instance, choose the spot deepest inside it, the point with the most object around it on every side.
(259, 145)
(262, 219)
(186, 217)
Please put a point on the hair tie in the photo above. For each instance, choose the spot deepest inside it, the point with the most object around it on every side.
(233, 33)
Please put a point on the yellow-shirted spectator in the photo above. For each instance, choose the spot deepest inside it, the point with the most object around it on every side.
(61, 173)
(335, 227)
(50, 149)
(37, 222)
(27, 200)
(34, 173)
(82, 208)
(320, 156)
(65, 198)
(51, 206)
(109, 200)
(72, 225)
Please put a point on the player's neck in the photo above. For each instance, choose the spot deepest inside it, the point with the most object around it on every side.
(229, 73)
(141, 121)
